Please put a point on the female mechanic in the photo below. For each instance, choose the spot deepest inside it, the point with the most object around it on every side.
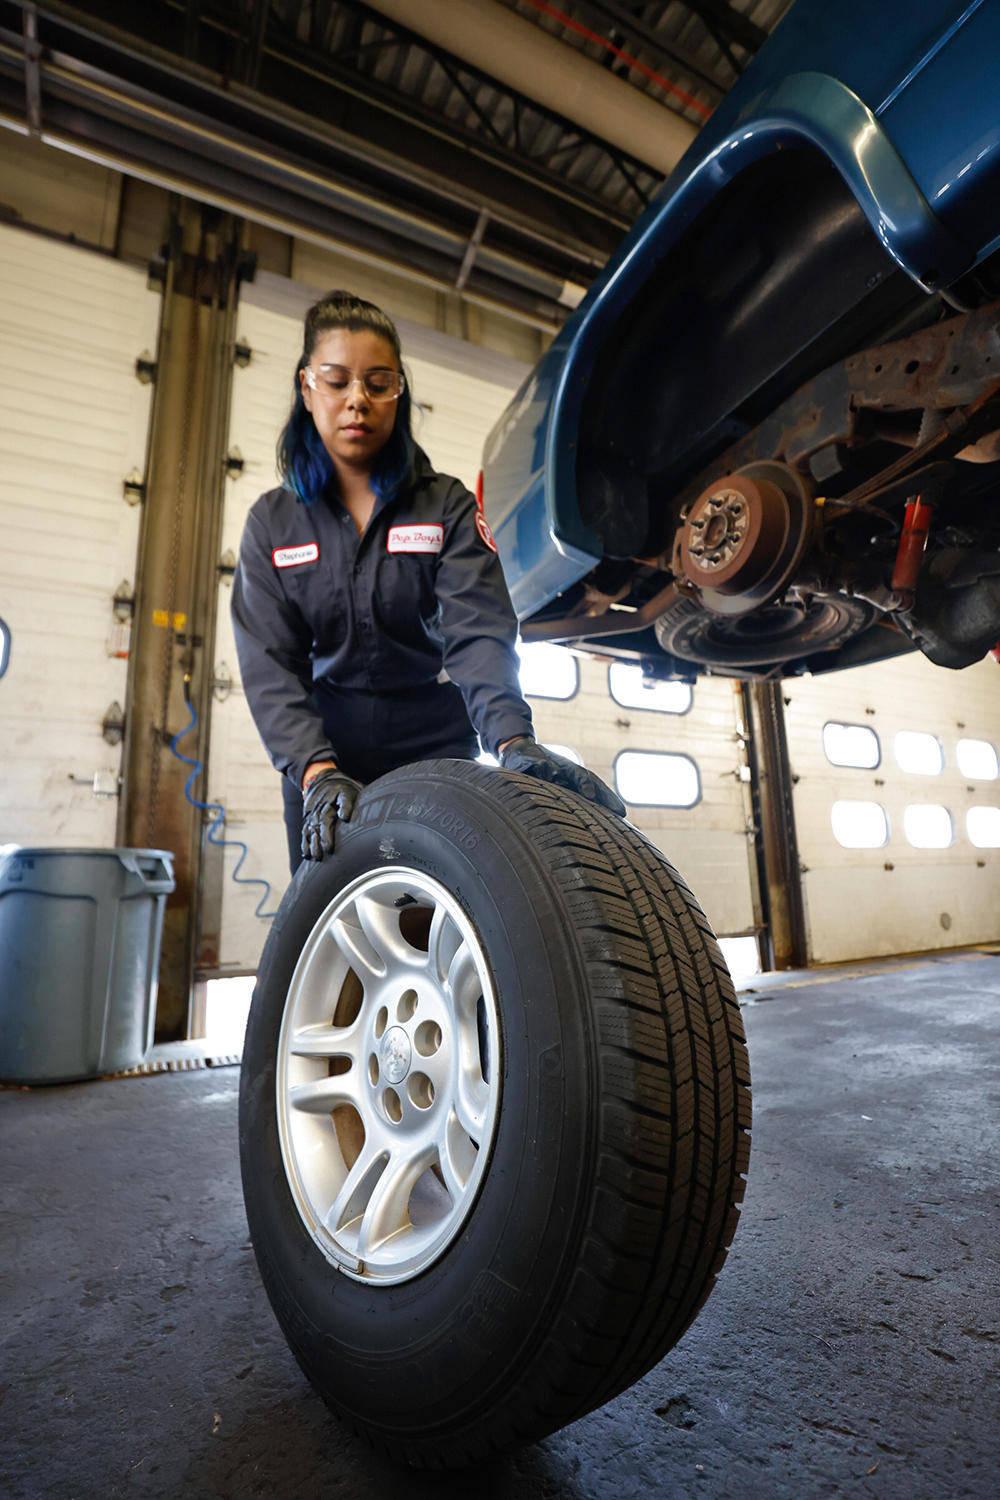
(372, 621)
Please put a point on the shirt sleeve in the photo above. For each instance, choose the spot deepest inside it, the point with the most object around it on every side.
(273, 644)
(478, 625)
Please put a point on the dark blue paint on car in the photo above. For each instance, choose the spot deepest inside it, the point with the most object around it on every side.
(843, 198)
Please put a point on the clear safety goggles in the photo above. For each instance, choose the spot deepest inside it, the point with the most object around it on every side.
(378, 384)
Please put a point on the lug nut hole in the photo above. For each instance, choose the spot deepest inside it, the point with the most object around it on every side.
(428, 1038)
(406, 1005)
(420, 1090)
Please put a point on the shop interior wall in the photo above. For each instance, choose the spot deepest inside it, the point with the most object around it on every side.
(73, 323)
(894, 897)
(859, 903)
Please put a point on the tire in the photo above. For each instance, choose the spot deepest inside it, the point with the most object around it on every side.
(514, 1000)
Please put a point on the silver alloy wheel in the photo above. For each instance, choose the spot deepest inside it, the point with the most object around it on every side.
(388, 1076)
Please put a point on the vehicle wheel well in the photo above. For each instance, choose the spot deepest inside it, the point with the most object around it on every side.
(778, 276)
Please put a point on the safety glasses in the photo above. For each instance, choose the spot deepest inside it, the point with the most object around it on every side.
(378, 384)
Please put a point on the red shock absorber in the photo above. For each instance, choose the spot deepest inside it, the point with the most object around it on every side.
(916, 525)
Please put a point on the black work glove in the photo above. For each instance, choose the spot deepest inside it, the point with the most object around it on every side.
(532, 759)
(328, 799)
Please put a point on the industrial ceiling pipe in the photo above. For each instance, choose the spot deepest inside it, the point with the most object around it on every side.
(520, 55)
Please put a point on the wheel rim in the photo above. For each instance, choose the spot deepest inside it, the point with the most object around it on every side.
(388, 1080)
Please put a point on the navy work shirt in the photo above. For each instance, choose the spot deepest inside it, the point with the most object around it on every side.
(420, 590)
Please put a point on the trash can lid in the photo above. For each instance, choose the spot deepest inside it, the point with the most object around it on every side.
(33, 851)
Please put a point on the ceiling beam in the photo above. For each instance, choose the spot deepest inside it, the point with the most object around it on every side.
(521, 56)
(733, 25)
(335, 114)
(637, 34)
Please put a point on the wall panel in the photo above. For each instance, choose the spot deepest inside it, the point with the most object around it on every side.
(72, 324)
(896, 899)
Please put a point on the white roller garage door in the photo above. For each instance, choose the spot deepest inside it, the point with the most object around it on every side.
(75, 421)
(899, 849)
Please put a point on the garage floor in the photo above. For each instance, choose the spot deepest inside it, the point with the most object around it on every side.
(852, 1346)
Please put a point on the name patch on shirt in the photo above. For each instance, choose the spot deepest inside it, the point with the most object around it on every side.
(416, 538)
(294, 557)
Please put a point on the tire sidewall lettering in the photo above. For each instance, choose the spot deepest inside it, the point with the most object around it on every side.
(422, 811)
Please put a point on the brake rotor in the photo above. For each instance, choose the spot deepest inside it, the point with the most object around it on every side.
(744, 537)
(742, 645)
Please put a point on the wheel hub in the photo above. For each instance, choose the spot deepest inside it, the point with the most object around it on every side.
(396, 1054)
(743, 538)
(388, 1075)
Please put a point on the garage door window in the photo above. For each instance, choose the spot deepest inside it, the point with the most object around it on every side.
(859, 825)
(919, 753)
(548, 671)
(851, 745)
(927, 825)
(978, 760)
(648, 778)
(4, 647)
(982, 824)
(631, 689)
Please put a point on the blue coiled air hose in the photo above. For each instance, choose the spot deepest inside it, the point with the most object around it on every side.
(220, 814)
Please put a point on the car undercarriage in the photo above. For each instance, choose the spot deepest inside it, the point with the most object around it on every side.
(790, 453)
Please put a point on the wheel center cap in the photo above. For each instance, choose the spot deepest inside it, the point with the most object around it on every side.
(395, 1054)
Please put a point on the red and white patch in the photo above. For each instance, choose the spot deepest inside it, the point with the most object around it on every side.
(294, 557)
(483, 527)
(416, 538)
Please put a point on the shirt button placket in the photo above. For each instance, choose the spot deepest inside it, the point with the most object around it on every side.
(366, 622)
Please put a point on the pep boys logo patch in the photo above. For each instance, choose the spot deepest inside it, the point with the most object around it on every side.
(294, 557)
(483, 527)
(416, 538)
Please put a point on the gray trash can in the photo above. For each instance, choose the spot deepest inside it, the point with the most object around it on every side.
(80, 937)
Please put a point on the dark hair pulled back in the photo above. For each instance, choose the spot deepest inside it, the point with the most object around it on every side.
(303, 462)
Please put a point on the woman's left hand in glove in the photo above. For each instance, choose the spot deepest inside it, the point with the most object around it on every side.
(532, 759)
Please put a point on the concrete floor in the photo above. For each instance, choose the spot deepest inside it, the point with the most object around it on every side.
(851, 1348)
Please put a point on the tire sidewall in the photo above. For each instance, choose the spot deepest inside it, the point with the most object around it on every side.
(493, 1288)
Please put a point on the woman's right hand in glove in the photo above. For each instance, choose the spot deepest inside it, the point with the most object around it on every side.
(328, 798)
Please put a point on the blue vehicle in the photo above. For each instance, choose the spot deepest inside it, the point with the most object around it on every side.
(768, 440)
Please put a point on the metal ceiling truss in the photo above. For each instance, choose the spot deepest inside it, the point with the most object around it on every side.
(278, 40)
(156, 110)
(639, 178)
(630, 29)
(724, 20)
(331, 121)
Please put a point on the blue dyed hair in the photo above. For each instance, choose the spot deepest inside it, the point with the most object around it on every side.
(303, 462)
